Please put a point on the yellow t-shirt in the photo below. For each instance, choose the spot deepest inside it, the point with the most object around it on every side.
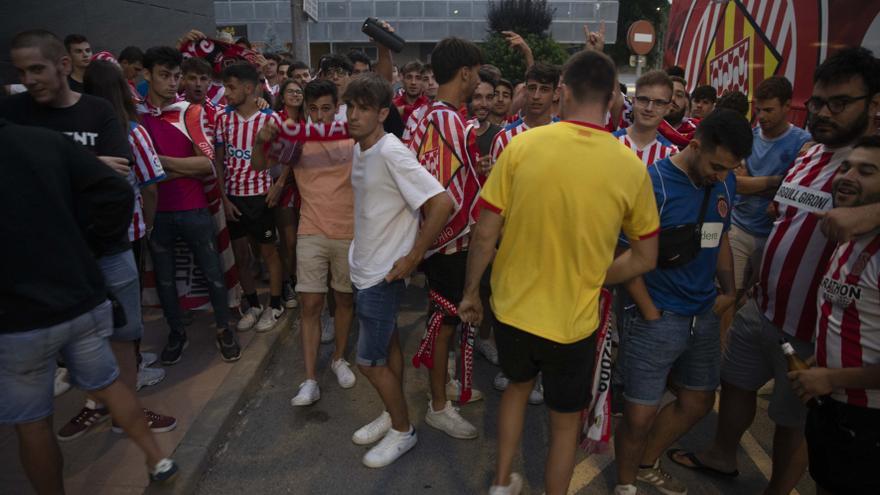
(565, 191)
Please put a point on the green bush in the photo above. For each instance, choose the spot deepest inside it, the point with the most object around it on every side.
(512, 64)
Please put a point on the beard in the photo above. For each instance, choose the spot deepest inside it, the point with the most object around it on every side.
(675, 116)
(838, 136)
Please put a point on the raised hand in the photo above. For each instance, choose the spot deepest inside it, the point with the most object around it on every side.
(595, 40)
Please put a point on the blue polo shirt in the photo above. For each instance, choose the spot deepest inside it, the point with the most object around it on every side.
(690, 289)
(769, 157)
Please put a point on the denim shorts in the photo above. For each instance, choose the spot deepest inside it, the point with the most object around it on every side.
(688, 346)
(376, 309)
(28, 362)
(121, 276)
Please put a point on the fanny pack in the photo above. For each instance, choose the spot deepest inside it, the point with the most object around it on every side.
(679, 245)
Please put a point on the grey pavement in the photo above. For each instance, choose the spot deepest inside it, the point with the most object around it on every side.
(275, 448)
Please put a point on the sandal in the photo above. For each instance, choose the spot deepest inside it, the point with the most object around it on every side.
(696, 464)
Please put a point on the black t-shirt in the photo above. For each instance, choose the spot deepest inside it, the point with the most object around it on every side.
(393, 123)
(75, 85)
(75, 203)
(484, 141)
(90, 122)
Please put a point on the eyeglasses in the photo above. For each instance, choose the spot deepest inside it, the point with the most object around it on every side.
(835, 104)
(335, 72)
(295, 92)
(646, 102)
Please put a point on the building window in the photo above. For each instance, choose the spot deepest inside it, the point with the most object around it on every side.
(336, 10)
(386, 10)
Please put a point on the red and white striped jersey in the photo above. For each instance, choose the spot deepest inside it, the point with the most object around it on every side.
(216, 93)
(848, 331)
(135, 96)
(412, 123)
(272, 89)
(236, 135)
(796, 252)
(446, 149)
(146, 169)
(502, 139)
(212, 113)
(657, 149)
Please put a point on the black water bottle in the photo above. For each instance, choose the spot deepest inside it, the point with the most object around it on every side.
(374, 29)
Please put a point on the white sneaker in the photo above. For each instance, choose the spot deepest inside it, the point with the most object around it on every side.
(536, 396)
(453, 392)
(147, 377)
(269, 318)
(249, 319)
(626, 490)
(450, 422)
(513, 488)
(488, 350)
(344, 375)
(392, 446)
(308, 394)
(149, 358)
(500, 382)
(328, 328)
(62, 382)
(373, 431)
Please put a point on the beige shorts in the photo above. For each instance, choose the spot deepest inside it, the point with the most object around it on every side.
(315, 255)
(747, 250)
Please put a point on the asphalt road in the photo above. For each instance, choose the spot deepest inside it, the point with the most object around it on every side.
(276, 448)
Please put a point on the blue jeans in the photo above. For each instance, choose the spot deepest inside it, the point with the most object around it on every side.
(688, 346)
(28, 361)
(376, 309)
(196, 228)
(121, 276)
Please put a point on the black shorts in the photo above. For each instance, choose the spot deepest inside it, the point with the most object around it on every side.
(445, 274)
(844, 447)
(257, 220)
(567, 369)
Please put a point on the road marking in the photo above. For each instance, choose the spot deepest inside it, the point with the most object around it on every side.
(757, 455)
(588, 469)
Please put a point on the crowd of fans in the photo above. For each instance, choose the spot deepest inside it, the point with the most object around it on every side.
(529, 205)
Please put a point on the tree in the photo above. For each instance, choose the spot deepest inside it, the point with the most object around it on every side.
(654, 11)
(530, 19)
(512, 64)
(520, 16)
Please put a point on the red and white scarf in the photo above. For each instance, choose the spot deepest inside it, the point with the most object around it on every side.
(441, 307)
(292, 134)
(596, 419)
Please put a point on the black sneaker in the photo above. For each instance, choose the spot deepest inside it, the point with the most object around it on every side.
(163, 472)
(228, 345)
(177, 342)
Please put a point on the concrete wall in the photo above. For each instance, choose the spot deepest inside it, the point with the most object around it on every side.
(108, 24)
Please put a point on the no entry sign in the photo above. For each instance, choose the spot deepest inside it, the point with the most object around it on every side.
(641, 37)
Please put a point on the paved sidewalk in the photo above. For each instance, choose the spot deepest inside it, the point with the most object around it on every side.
(103, 462)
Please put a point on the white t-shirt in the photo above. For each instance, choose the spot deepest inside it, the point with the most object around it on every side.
(390, 185)
(341, 113)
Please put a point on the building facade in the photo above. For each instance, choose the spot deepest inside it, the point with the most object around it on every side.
(421, 22)
(108, 24)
